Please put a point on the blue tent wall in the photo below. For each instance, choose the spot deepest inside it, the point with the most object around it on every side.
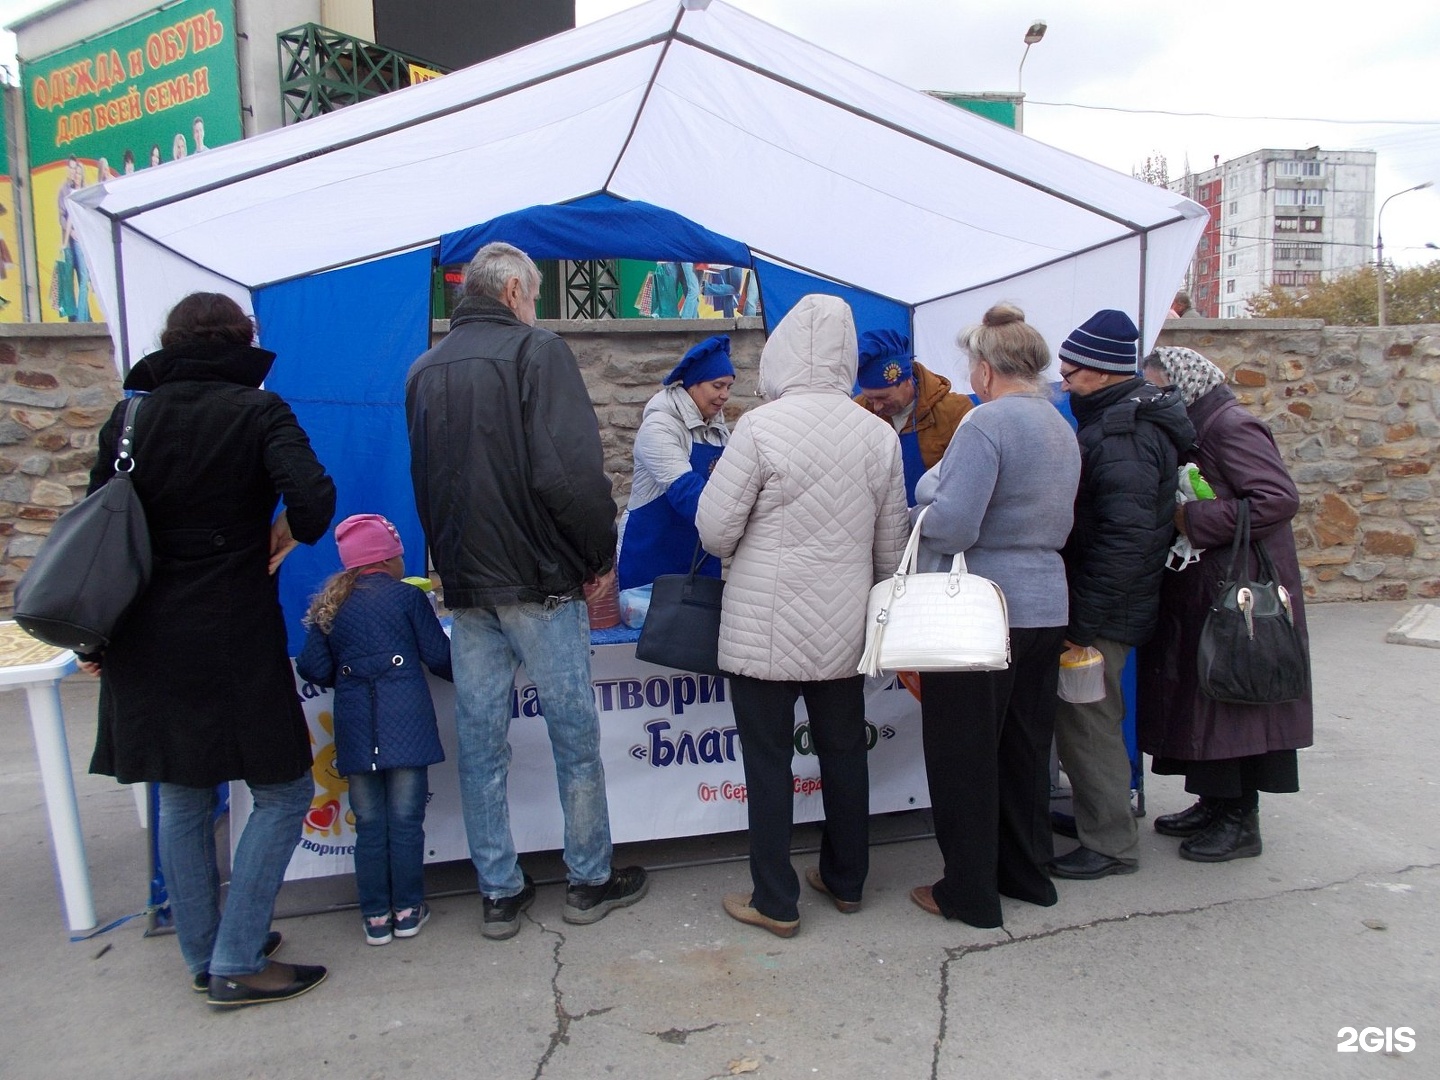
(598, 227)
(345, 340)
(781, 287)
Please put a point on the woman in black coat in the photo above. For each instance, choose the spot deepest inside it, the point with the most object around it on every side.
(1228, 753)
(196, 687)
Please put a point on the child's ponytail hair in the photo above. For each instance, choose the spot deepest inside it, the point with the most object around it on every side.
(325, 604)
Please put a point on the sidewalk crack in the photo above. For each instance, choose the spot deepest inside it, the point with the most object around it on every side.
(954, 955)
(560, 1036)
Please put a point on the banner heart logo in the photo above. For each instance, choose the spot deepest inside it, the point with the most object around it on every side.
(322, 818)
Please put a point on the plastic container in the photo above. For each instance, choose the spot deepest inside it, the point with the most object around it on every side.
(635, 605)
(1082, 675)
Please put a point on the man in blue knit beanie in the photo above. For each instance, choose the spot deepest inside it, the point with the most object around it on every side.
(1132, 436)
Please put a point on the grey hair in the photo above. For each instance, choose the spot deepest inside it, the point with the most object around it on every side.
(494, 265)
(1005, 341)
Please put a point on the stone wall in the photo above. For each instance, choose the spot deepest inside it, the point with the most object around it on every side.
(1353, 410)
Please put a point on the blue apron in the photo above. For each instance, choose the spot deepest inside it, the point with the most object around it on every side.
(660, 536)
(913, 462)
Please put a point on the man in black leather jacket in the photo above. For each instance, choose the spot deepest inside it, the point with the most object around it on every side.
(510, 485)
(1132, 437)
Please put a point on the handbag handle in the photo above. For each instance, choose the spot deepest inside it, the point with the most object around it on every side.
(1240, 573)
(697, 557)
(125, 452)
(910, 558)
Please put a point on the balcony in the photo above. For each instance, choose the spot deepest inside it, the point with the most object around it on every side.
(322, 70)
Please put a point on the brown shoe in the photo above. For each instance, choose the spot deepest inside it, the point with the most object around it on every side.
(737, 906)
(924, 897)
(845, 907)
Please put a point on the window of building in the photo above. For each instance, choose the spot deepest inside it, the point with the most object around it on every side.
(1230, 259)
(1230, 311)
(1285, 253)
(1234, 233)
(1287, 224)
(1287, 196)
(1234, 208)
(1311, 224)
(1307, 277)
(1299, 168)
(1312, 197)
(1284, 277)
(1230, 286)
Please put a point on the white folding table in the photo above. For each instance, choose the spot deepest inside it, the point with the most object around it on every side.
(37, 668)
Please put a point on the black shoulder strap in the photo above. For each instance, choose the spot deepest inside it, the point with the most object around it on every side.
(125, 452)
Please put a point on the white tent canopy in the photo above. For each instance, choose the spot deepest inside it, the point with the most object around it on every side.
(813, 161)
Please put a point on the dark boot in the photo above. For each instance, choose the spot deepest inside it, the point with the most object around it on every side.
(1188, 822)
(1232, 834)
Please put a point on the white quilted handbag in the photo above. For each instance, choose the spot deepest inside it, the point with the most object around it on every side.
(935, 622)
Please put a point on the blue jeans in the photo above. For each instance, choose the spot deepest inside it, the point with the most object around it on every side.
(389, 810)
(228, 944)
(486, 646)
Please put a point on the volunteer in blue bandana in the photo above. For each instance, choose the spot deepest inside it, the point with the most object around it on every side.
(919, 403)
(682, 433)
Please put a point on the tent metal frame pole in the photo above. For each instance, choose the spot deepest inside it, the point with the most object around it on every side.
(1133, 226)
(117, 238)
(1144, 271)
(644, 99)
(1053, 262)
(370, 136)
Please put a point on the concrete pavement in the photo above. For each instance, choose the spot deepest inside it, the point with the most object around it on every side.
(1244, 969)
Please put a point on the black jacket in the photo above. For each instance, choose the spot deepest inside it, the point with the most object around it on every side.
(196, 688)
(506, 461)
(1132, 438)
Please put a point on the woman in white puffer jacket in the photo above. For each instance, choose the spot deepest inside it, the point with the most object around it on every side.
(807, 506)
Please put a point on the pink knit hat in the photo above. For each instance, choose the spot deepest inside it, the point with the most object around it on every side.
(366, 538)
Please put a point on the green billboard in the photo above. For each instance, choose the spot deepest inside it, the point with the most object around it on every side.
(11, 307)
(154, 90)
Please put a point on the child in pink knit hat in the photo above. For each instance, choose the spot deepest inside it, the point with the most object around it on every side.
(369, 634)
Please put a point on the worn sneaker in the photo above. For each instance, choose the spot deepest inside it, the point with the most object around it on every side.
(585, 904)
(409, 920)
(502, 916)
(200, 983)
(377, 930)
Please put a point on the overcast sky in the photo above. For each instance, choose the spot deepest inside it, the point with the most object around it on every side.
(1276, 74)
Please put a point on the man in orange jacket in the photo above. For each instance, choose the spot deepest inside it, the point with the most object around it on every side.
(919, 403)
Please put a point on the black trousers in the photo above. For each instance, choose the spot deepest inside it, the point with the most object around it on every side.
(765, 717)
(987, 757)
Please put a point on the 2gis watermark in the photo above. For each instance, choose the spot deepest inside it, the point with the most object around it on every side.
(1374, 1040)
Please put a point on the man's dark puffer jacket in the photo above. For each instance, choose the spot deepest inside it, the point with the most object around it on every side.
(1132, 436)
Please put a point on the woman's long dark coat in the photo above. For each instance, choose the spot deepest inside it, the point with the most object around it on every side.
(1237, 455)
(196, 688)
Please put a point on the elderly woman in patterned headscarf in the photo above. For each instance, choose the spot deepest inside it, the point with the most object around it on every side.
(1228, 753)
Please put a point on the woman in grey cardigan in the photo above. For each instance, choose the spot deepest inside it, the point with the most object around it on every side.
(1003, 494)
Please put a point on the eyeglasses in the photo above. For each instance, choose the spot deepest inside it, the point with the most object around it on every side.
(1066, 376)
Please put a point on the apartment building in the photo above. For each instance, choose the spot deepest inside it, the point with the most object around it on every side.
(1283, 217)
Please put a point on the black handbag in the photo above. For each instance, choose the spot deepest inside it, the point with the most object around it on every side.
(1251, 652)
(682, 627)
(94, 564)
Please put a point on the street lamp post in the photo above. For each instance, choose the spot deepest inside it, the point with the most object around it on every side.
(1033, 35)
(1380, 246)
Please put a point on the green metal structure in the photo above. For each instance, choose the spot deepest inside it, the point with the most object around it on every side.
(322, 70)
